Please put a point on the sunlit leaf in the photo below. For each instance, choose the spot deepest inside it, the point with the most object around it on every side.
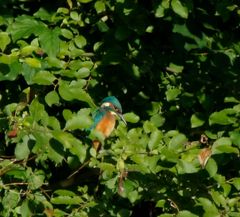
(44, 78)
(186, 213)
(99, 6)
(208, 206)
(236, 183)
(33, 62)
(131, 117)
(4, 40)
(196, 121)
(84, 1)
(179, 8)
(52, 98)
(224, 145)
(223, 117)
(155, 140)
(211, 167)
(172, 94)
(67, 200)
(82, 120)
(80, 41)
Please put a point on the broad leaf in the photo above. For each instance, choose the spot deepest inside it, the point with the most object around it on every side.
(179, 8)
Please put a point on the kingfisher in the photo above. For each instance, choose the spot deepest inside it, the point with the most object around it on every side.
(105, 118)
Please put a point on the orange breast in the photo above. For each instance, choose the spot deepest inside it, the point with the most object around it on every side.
(107, 124)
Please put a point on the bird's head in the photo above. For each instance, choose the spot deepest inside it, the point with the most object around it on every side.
(114, 106)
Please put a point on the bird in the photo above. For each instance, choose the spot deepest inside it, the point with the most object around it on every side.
(104, 120)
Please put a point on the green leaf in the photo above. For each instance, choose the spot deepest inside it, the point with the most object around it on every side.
(149, 126)
(72, 143)
(4, 40)
(67, 114)
(64, 138)
(67, 200)
(82, 73)
(155, 140)
(52, 98)
(161, 203)
(218, 198)
(84, 1)
(28, 72)
(71, 91)
(10, 72)
(196, 121)
(37, 111)
(169, 155)
(22, 148)
(43, 14)
(172, 94)
(28, 50)
(10, 199)
(179, 9)
(103, 27)
(24, 26)
(81, 120)
(50, 42)
(54, 154)
(64, 192)
(66, 33)
(133, 196)
(33, 62)
(235, 138)
(186, 213)
(8, 59)
(53, 123)
(211, 167)
(159, 11)
(55, 62)
(131, 117)
(222, 117)
(223, 145)
(25, 210)
(16, 173)
(99, 6)
(43, 78)
(186, 167)
(209, 208)
(231, 99)
(80, 41)
(236, 183)
(178, 142)
(74, 15)
(175, 68)
(36, 179)
(158, 120)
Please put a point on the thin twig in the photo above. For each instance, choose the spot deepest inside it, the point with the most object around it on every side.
(85, 164)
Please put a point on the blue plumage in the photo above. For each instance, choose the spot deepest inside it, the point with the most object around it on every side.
(114, 101)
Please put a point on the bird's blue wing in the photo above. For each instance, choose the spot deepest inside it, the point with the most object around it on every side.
(97, 117)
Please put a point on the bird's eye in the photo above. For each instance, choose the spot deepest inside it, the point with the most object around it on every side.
(116, 109)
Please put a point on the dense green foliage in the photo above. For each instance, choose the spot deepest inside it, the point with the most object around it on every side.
(173, 64)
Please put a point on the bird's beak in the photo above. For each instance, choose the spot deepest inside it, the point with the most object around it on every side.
(122, 118)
